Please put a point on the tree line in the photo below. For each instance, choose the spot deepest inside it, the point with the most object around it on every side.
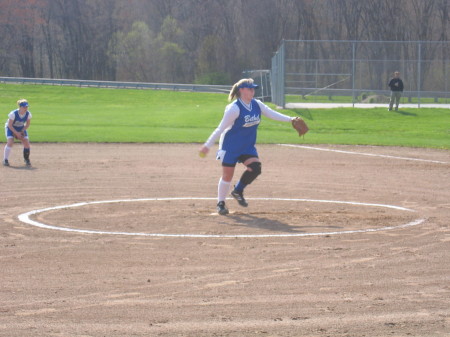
(192, 41)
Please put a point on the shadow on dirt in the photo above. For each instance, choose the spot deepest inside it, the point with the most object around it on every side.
(260, 222)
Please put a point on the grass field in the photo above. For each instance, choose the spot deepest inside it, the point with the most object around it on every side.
(72, 114)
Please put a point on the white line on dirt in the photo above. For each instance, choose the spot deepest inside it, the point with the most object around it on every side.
(25, 218)
(364, 154)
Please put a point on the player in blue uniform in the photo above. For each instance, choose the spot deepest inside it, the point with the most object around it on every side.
(16, 127)
(237, 132)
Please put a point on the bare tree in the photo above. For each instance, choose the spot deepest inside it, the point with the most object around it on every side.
(19, 20)
(186, 40)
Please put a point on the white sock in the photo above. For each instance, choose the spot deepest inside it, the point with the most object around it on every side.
(223, 189)
(6, 152)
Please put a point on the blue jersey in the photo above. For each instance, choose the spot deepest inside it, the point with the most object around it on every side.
(18, 121)
(241, 137)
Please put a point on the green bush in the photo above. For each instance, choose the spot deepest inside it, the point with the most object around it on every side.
(213, 78)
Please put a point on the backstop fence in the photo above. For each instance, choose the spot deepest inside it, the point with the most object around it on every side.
(359, 71)
(262, 79)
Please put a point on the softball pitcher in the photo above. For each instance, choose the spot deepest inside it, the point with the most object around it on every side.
(16, 127)
(237, 132)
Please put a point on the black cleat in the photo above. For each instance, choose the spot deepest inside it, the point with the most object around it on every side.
(239, 196)
(5, 162)
(27, 162)
(221, 208)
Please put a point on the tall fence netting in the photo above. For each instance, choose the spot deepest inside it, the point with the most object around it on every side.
(359, 71)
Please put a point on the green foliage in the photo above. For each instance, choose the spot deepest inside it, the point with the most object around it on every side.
(170, 52)
(211, 62)
(141, 55)
(131, 51)
(213, 78)
(73, 114)
(171, 56)
(208, 57)
(170, 31)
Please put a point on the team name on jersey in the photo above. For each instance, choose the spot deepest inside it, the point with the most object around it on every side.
(251, 121)
(18, 123)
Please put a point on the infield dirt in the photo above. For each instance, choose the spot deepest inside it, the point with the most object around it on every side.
(320, 281)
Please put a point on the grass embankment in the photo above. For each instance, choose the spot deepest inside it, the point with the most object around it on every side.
(73, 114)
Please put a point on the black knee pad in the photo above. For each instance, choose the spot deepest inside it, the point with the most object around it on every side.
(256, 167)
(26, 153)
(248, 176)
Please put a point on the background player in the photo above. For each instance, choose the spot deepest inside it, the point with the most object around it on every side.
(396, 86)
(237, 132)
(16, 127)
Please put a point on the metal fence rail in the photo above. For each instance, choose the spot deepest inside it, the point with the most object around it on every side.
(119, 85)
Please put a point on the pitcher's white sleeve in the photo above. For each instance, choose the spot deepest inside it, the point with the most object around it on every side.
(272, 114)
(230, 115)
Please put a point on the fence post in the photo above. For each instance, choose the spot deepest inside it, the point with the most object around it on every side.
(277, 77)
(353, 73)
(282, 72)
(418, 73)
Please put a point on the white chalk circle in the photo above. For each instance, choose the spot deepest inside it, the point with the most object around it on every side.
(25, 218)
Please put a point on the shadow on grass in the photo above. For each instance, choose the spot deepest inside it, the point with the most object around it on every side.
(406, 113)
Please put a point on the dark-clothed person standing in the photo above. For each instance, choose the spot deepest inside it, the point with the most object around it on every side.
(396, 86)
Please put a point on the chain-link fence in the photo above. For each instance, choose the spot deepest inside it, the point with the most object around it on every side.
(262, 78)
(359, 71)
